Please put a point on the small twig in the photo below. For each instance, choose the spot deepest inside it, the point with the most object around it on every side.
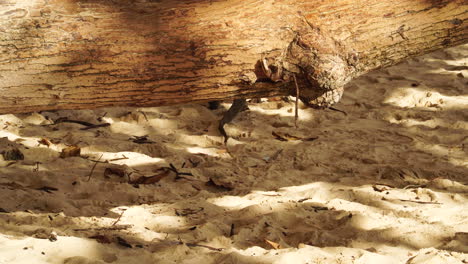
(303, 200)
(123, 158)
(180, 242)
(208, 247)
(10, 163)
(83, 123)
(296, 111)
(95, 126)
(37, 167)
(94, 166)
(338, 110)
(144, 114)
(194, 163)
(120, 216)
(120, 227)
(178, 174)
(411, 186)
(420, 202)
(66, 120)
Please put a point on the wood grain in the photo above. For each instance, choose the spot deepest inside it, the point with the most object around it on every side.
(70, 54)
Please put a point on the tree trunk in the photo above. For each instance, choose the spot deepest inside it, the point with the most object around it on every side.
(70, 54)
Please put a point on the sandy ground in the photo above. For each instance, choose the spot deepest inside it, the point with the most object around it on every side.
(385, 183)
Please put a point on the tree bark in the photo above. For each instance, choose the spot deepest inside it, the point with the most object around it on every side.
(70, 54)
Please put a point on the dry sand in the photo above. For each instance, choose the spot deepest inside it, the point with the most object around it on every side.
(386, 183)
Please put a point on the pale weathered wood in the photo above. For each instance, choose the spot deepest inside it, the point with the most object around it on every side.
(70, 54)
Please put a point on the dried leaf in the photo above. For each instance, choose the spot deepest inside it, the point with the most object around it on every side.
(47, 189)
(221, 151)
(273, 244)
(224, 187)
(188, 211)
(273, 157)
(141, 140)
(320, 208)
(45, 141)
(278, 136)
(123, 242)
(288, 137)
(380, 188)
(152, 179)
(114, 171)
(12, 154)
(101, 239)
(70, 151)
(53, 236)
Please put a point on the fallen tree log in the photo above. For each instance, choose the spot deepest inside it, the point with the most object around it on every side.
(70, 54)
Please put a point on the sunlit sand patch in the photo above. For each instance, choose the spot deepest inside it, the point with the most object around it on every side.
(122, 158)
(200, 141)
(129, 129)
(83, 250)
(215, 152)
(286, 110)
(411, 97)
(234, 202)
(431, 123)
(456, 156)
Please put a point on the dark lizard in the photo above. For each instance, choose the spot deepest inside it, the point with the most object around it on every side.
(272, 73)
(273, 70)
(237, 106)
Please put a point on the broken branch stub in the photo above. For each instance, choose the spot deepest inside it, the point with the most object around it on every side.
(320, 63)
(325, 64)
